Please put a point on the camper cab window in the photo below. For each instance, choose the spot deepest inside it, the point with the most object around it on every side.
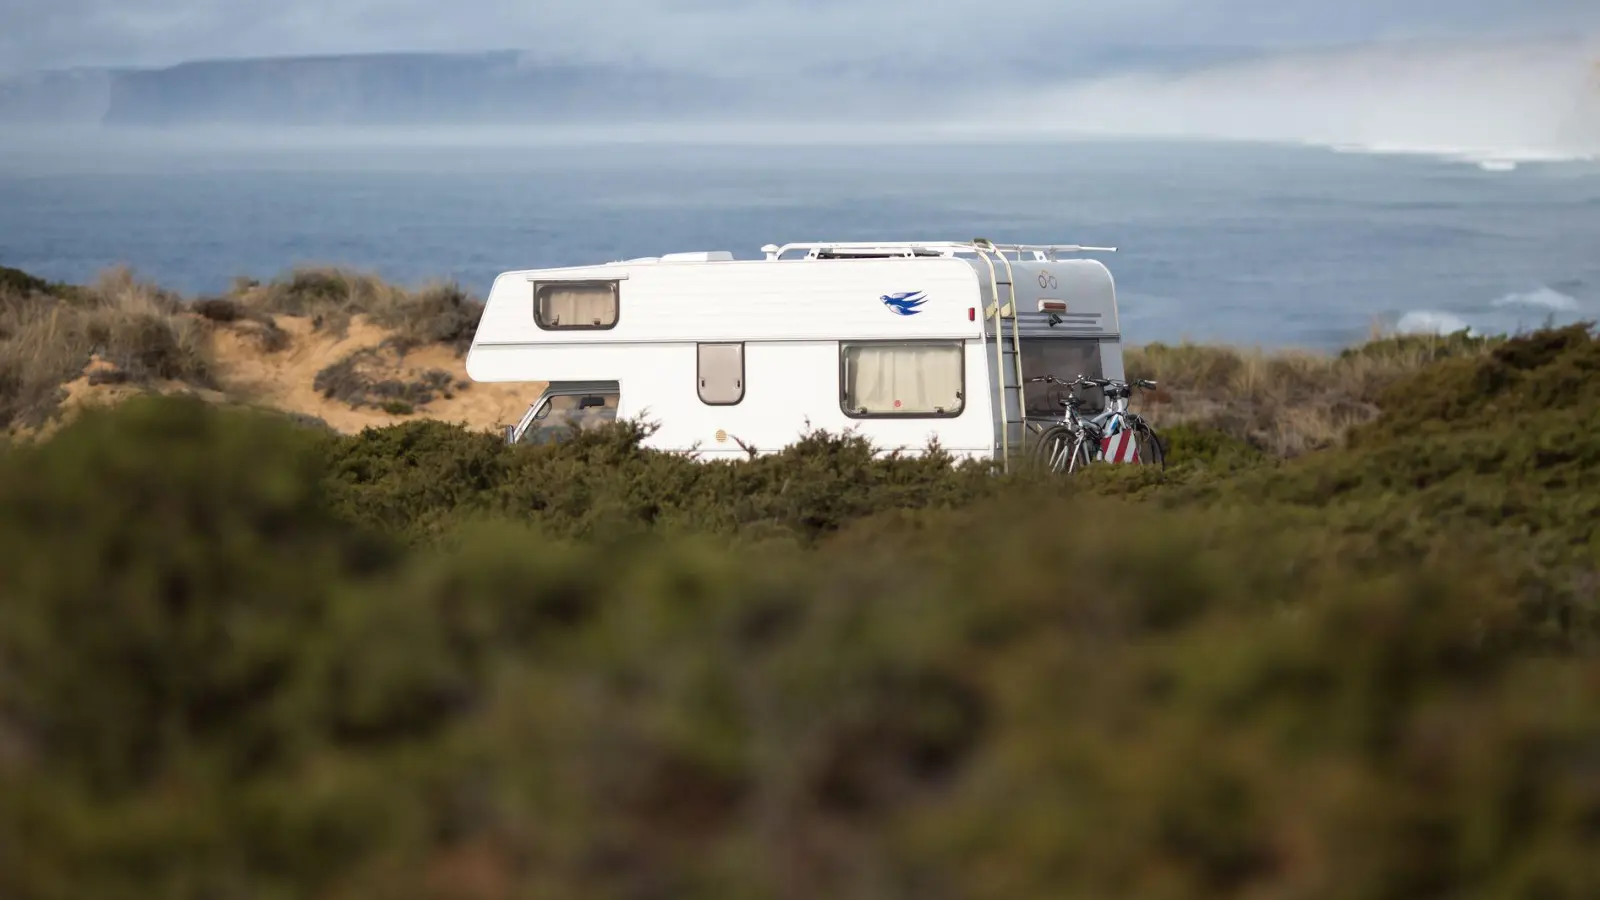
(1066, 359)
(562, 305)
(551, 418)
(883, 379)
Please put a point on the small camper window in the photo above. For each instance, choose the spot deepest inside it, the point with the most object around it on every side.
(924, 379)
(575, 304)
(721, 374)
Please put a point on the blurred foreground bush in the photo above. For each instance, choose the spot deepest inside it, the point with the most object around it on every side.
(608, 673)
(1497, 454)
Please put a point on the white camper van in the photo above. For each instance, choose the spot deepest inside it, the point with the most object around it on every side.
(901, 342)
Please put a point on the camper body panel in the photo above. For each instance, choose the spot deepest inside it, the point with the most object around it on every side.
(795, 322)
(1066, 323)
(789, 388)
(746, 300)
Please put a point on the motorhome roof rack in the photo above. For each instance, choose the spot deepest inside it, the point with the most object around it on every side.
(879, 249)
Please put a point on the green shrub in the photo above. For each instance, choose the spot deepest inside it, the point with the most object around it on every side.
(218, 684)
(1287, 402)
(416, 477)
(1496, 452)
(19, 283)
(358, 380)
(242, 657)
(419, 477)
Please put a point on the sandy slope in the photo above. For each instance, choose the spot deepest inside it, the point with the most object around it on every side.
(284, 379)
(83, 392)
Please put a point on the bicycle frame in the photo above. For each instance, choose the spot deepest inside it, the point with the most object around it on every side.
(1086, 432)
(1089, 433)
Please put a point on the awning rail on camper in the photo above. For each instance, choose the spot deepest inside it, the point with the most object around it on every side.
(853, 249)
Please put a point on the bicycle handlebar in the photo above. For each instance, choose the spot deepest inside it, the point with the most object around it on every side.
(1085, 381)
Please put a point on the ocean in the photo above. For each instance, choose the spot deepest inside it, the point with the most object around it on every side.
(1247, 244)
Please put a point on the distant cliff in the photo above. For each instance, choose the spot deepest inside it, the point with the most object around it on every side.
(384, 90)
(394, 90)
(508, 88)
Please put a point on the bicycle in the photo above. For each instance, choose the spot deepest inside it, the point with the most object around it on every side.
(1116, 434)
(1065, 443)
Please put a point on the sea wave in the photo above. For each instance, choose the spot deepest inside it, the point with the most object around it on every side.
(1545, 298)
(1490, 159)
(1432, 321)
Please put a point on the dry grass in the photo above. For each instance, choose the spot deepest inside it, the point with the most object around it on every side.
(366, 378)
(260, 326)
(1287, 402)
(49, 337)
(138, 334)
(439, 313)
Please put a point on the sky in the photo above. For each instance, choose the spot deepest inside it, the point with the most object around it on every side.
(1481, 101)
(736, 35)
(1478, 78)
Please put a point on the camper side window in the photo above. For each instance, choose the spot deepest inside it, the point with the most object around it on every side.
(576, 304)
(721, 373)
(924, 379)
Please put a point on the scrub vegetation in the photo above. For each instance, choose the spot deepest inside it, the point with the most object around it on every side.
(243, 657)
(137, 334)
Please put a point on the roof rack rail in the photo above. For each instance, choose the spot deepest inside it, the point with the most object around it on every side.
(868, 249)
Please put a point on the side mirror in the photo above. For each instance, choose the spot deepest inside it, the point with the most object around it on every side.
(511, 434)
(543, 412)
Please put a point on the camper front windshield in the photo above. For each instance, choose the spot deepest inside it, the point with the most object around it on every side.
(556, 415)
(1066, 359)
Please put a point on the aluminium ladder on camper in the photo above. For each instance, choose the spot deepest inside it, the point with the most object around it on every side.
(1012, 411)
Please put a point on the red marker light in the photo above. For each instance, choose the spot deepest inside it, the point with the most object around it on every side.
(972, 314)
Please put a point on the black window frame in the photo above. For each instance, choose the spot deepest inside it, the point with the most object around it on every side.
(616, 298)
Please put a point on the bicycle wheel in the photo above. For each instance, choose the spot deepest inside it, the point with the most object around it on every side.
(1151, 451)
(1079, 456)
(1052, 447)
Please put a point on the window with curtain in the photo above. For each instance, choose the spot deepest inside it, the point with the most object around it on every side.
(902, 378)
(585, 304)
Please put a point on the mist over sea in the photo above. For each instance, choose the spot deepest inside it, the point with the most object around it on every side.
(1237, 242)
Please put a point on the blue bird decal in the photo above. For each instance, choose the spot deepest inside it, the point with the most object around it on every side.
(904, 304)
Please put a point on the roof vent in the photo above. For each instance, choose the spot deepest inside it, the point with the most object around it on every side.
(699, 256)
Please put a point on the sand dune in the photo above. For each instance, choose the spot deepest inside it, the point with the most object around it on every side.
(285, 377)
